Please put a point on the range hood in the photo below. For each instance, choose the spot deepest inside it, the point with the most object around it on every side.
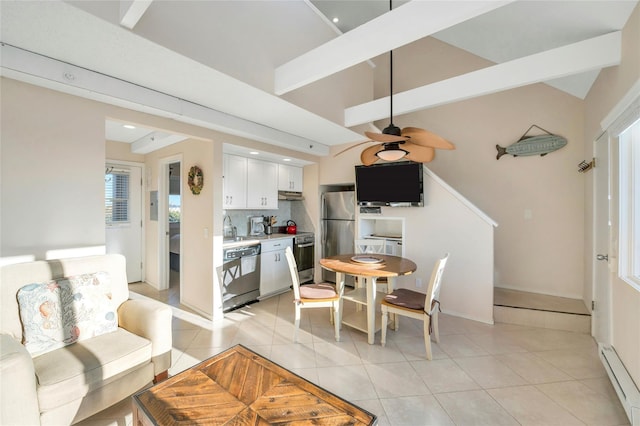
(290, 196)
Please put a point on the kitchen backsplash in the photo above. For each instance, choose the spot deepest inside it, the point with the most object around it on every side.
(287, 210)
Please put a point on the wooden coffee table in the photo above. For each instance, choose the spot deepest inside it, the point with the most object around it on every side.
(240, 387)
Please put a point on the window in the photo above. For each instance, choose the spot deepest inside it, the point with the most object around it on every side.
(629, 143)
(116, 196)
(174, 208)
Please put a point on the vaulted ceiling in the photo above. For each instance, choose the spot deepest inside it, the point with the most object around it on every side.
(282, 72)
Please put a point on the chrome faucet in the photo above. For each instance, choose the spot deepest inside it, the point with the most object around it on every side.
(228, 229)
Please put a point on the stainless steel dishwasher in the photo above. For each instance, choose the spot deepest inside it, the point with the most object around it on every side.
(240, 276)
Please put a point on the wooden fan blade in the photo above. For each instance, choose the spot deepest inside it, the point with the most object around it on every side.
(352, 146)
(426, 138)
(368, 155)
(384, 138)
(418, 153)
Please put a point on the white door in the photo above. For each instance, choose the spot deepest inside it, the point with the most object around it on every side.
(601, 274)
(124, 229)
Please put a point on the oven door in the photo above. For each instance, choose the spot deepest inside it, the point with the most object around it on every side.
(304, 255)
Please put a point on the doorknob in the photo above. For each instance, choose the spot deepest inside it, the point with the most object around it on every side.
(603, 257)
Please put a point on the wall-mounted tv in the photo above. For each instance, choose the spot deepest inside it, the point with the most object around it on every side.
(390, 184)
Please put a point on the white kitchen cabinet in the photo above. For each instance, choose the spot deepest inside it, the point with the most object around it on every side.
(262, 184)
(249, 183)
(275, 277)
(289, 178)
(234, 182)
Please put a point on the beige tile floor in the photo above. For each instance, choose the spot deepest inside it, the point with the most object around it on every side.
(481, 374)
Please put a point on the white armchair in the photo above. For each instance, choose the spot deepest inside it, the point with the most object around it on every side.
(69, 382)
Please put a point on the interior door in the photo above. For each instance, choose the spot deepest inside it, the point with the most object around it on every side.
(602, 228)
(126, 238)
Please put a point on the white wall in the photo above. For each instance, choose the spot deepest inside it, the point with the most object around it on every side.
(52, 172)
(196, 226)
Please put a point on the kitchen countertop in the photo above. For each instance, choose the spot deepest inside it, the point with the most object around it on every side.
(254, 239)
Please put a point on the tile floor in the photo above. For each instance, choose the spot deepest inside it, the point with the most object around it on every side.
(481, 374)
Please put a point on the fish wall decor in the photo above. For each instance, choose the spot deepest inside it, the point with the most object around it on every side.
(533, 145)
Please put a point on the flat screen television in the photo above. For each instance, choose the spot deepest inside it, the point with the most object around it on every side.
(390, 184)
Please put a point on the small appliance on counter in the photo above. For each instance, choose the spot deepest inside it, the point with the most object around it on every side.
(292, 228)
(256, 225)
(269, 222)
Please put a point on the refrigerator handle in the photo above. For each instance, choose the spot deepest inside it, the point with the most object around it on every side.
(323, 237)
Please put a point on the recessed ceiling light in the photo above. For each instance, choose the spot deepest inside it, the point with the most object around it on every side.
(286, 159)
(128, 126)
(335, 20)
(254, 152)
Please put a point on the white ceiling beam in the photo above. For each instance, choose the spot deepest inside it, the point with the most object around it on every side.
(587, 55)
(131, 11)
(47, 72)
(154, 141)
(409, 22)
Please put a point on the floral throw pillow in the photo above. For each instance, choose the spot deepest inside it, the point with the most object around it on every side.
(60, 312)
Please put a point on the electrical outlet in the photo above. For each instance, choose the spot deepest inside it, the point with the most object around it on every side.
(418, 282)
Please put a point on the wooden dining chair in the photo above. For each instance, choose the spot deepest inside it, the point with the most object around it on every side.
(417, 305)
(371, 246)
(321, 295)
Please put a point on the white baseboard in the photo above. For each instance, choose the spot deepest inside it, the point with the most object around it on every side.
(622, 383)
(457, 314)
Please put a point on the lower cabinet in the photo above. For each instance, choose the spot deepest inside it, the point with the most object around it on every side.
(274, 270)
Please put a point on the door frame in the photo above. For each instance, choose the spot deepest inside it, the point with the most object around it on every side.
(163, 221)
(143, 211)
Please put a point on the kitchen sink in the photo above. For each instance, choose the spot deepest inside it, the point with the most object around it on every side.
(240, 238)
(234, 239)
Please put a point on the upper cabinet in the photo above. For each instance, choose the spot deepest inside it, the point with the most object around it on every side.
(249, 183)
(289, 178)
(262, 184)
(234, 182)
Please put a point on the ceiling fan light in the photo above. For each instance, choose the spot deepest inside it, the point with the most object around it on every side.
(393, 153)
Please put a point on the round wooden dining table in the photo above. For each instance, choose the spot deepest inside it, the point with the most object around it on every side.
(369, 267)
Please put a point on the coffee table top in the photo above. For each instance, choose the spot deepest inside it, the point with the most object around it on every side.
(241, 387)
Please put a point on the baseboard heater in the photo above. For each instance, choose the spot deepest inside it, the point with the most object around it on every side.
(622, 382)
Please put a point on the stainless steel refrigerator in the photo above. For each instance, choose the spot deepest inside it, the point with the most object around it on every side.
(338, 227)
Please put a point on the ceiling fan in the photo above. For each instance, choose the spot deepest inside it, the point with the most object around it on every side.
(411, 143)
